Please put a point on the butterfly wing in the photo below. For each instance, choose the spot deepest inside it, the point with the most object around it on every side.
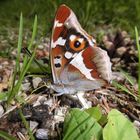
(91, 65)
(58, 40)
(65, 24)
(77, 64)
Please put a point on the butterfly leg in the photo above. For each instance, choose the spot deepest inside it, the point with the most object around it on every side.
(85, 104)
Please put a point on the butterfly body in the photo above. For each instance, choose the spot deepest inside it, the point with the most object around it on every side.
(77, 63)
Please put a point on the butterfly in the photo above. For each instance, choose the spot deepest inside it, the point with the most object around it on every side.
(76, 61)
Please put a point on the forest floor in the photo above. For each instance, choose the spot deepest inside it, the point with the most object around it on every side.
(43, 109)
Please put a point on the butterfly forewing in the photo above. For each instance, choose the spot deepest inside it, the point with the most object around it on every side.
(58, 40)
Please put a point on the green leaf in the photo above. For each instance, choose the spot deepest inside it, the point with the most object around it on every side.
(94, 112)
(103, 120)
(119, 127)
(6, 136)
(79, 125)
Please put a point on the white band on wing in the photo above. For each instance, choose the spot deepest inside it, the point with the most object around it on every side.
(60, 41)
(79, 64)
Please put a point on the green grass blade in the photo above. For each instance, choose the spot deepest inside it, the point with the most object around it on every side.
(44, 69)
(31, 42)
(17, 67)
(26, 125)
(19, 43)
(123, 88)
(6, 136)
(138, 47)
(26, 68)
(33, 33)
(18, 85)
(128, 77)
(26, 61)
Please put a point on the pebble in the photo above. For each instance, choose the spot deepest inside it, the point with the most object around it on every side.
(137, 126)
(1, 110)
(115, 60)
(42, 134)
(46, 45)
(26, 86)
(40, 100)
(127, 41)
(124, 34)
(105, 38)
(36, 82)
(108, 45)
(1, 67)
(5, 63)
(49, 102)
(131, 52)
(40, 47)
(1, 78)
(60, 114)
(33, 125)
(121, 50)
